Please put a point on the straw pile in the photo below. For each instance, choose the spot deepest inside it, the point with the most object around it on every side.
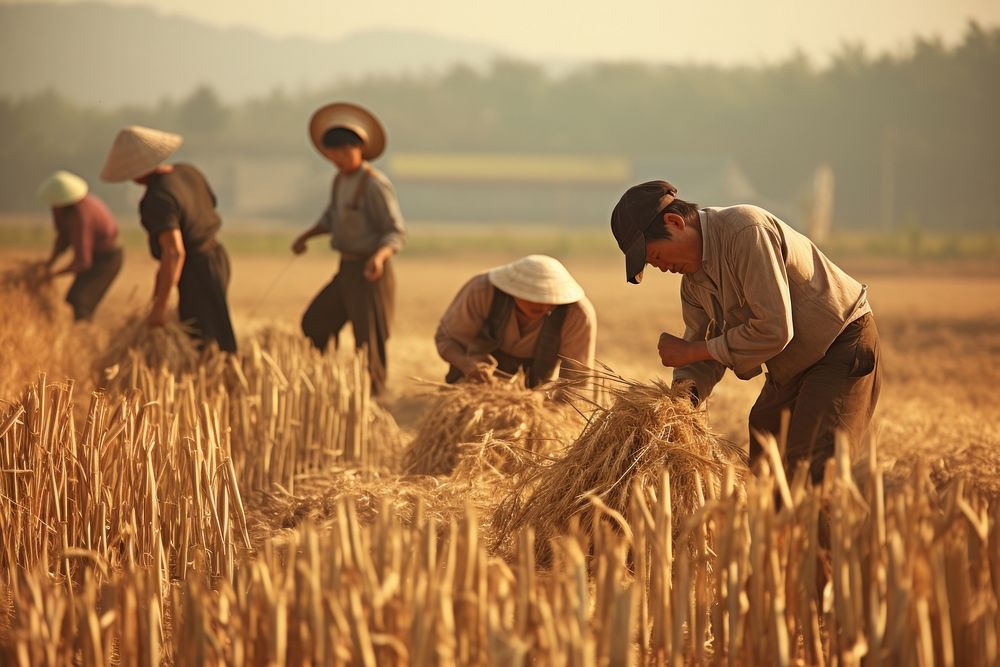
(624, 448)
(465, 412)
(37, 332)
(137, 346)
(33, 280)
(317, 496)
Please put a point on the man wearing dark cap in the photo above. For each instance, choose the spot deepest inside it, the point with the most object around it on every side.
(755, 292)
(365, 225)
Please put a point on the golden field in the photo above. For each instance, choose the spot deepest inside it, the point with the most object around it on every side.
(940, 327)
(255, 512)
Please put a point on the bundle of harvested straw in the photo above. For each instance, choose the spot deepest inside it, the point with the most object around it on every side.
(31, 278)
(138, 345)
(372, 492)
(463, 413)
(647, 429)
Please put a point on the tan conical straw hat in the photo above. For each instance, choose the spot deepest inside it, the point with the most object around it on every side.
(137, 151)
(62, 188)
(537, 278)
(357, 119)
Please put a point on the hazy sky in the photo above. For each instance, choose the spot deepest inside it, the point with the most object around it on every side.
(725, 31)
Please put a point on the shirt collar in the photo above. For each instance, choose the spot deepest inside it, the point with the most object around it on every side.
(705, 276)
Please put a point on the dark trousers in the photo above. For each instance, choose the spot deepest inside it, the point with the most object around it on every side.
(91, 285)
(202, 305)
(367, 305)
(836, 394)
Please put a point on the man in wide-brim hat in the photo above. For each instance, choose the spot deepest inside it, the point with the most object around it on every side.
(82, 222)
(365, 226)
(755, 293)
(528, 316)
(179, 216)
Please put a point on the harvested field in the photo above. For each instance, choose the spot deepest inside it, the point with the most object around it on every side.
(256, 509)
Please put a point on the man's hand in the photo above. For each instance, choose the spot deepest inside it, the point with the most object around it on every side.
(676, 351)
(375, 266)
(480, 369)
(299, 246)
(156, 318)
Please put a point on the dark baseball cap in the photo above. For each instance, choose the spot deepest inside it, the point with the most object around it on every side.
(635, 211)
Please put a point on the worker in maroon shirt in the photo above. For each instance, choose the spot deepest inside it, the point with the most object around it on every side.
(85, 223)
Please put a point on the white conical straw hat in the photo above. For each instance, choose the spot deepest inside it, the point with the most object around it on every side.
(537, 278)
(137, 151)
(62, 188)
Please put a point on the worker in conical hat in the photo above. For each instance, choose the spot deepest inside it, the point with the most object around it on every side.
(82, 222)
(365, 225)
(178, 212)
(527, 316)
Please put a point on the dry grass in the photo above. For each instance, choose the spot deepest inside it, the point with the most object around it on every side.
(31, 279)
(136, 345)
(38, 334)
(623, 450)
(462, 414)
(248, 512)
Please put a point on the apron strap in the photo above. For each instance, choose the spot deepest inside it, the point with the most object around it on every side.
(359, 191)
(547, 347)
(487, 341)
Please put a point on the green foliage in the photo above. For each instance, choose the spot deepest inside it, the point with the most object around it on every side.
(925, 119)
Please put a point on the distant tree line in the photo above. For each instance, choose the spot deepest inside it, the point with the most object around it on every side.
(913, 138)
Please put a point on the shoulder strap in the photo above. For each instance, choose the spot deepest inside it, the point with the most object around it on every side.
(547, 347)
(336, 186)
(360, 190)
(489, 337)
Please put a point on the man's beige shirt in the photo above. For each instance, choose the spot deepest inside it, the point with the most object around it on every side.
(765, 295)
(377, 221)
(465, 317)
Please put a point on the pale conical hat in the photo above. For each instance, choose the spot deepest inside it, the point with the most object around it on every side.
(137, 151)
(62, 188)
(354, 118)
(537, 278)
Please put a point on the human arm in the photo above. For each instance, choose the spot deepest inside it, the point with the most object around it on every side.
(578, 343)
(692, 371)
(762, 326)
(61, 242)
(168, 274)
(299, 245)
(382, 208)
(460, 325)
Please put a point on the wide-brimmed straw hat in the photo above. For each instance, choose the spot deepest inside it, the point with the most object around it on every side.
(62, 188)
(354, 118)
(137, 151)
(537, 278)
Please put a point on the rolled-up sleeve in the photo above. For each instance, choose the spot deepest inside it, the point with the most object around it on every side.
(463, 319)
(704, 374)
(383, 211)
(158, 213)
(765, 327)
